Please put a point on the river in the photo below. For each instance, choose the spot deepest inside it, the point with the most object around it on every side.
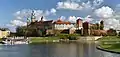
(70, 49)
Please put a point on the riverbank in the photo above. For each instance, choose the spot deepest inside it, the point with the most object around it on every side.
(58, 38)
(43, 39)
(110, 43)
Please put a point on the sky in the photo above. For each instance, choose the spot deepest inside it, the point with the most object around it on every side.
(14, 13)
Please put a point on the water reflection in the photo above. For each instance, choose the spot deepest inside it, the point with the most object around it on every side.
(71, 49)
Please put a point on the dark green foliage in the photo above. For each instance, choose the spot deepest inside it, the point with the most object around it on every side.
(4, 29)
(119, 34)
(29, 31)
(68, 36)
(111, 32)
(20, 31)
(97, 26)
(101, 27)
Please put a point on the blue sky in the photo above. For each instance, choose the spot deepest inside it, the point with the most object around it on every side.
(9, 7)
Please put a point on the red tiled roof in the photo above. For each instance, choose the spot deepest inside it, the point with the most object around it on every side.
(61, 22)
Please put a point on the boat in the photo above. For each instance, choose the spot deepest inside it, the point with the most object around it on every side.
(14, 41)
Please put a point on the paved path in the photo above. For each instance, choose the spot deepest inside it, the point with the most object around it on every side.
(90, 37)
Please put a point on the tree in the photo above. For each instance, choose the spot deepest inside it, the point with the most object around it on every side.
(101, 25)
(21, 30)
(111, 32)
(97, 26)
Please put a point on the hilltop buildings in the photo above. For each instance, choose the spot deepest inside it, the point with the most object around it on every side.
(4, 33)
(62, 25)
(80, 27)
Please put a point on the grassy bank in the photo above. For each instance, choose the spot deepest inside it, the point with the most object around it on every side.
(54, 38)
(43, 39)
(0, 39)
(111, 43)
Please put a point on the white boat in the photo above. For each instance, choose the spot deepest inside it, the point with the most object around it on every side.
(13, 41)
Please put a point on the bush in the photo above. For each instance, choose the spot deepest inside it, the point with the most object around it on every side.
(72, 38)
(68, 36)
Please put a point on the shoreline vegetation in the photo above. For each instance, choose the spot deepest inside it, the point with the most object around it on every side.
(58, 38)
(110, 43)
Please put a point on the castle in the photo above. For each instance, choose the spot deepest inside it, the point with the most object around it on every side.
(50, 27)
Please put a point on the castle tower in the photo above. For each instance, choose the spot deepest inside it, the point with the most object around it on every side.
(101, 25)
(33, 18)
(79, 24)
(86, 29)
(28, 21)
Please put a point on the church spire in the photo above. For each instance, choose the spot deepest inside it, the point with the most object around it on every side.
(33, 16)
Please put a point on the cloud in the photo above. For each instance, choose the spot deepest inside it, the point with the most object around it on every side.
(76, 5)
(97, 2)
(72, 19)
(53, 10)
(111, 23)
(62, 18)
(68, 5)
(88, 18)
(74, 0)
(18, 23)
(50, 12)
(104, 12)
(22, 15)
(110, 17)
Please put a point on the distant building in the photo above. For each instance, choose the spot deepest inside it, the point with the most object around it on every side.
(40, 24)
(4, 33)
(62, 25)
(79, 24)
(86, 28)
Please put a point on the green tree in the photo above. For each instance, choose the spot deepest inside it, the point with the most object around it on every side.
(97, 26)
(101, 25)
(21, 30)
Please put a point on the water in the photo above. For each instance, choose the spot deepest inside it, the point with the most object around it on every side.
(75, 49)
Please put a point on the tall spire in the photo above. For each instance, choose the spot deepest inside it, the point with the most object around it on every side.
(33, 16)
(42, 18)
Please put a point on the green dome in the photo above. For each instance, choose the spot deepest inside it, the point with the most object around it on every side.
(33, 17)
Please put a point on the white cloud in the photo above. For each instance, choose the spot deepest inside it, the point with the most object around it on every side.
(68, 5)
(72, 19)
(75, 5)
(88, 18)
(74, 0)
(49, 12)
(110, 17)
(26, 13)
(104, 12)
(97, 2)
(44, 18)
(62, 18)
(18, 23)
(53, 10)
(22, 15)
(111, 23)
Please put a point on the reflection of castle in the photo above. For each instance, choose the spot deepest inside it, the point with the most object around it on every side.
(50, 26)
